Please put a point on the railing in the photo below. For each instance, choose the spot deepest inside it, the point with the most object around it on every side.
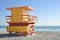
(8, 19)
(31, 18)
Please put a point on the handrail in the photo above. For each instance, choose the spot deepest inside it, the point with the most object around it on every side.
(8, 19)
(31, 18)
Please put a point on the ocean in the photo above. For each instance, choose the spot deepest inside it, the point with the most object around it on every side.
(39, 28)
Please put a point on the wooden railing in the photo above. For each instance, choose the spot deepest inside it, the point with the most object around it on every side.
(8, 19)
(30, 17)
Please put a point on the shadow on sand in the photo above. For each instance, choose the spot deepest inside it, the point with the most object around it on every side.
(9, 35)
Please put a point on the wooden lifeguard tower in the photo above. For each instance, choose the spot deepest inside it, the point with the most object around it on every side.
(20, 21)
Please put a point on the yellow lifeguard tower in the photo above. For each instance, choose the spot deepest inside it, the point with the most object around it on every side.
(20, 21)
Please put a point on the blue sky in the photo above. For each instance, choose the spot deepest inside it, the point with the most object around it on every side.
(47, 11)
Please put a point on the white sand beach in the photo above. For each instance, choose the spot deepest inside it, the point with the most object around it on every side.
(38, 36)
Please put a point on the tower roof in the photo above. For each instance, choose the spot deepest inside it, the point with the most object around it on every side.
(23, 7)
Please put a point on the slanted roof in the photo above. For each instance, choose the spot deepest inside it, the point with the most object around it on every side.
(23, 7)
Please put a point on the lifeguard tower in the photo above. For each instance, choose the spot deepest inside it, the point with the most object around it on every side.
(20, 21)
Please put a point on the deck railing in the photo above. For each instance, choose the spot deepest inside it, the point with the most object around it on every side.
(31, 18)
(8, 19)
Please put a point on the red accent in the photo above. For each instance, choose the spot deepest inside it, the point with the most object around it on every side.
(18, 24)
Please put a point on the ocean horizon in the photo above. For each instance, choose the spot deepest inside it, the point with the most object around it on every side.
(39, 28)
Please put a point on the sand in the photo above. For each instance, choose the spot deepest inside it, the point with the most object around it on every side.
(38, 36)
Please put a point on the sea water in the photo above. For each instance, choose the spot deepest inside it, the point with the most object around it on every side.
(48, 28)
(39, 28)
(2, 28)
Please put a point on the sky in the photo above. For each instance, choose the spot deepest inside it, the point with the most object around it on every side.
(47, 11)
